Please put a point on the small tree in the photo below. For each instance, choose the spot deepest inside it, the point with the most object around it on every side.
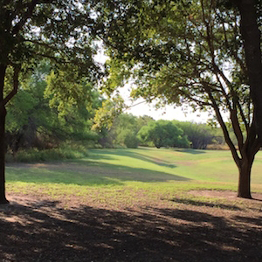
(162, 133)
(124, 130)
(105, 118)
(198, 134)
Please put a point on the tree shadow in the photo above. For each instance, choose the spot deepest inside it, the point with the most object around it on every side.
(44, 231)
(205, 204)
(256, 199)
(250, 220)
(104, 154)
(190, 151)
(85, 174)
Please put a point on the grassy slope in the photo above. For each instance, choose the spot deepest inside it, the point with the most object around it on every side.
(201, 165)
(155, 170)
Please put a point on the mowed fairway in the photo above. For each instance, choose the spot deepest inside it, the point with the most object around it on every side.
(141, 204)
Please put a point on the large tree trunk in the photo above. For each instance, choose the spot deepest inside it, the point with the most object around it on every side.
(3, 199)
(244, 181)
(252, 38)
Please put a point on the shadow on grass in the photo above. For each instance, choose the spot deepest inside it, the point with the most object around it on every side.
(105, 154)
(204, 204)
(43, 231)
(85, 173)
(190, 151)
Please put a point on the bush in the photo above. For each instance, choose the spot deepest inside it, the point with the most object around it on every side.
(67, 151)
(163, 133)
(131, 141)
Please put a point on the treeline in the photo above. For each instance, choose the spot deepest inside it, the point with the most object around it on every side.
(131, 131)
(51, 110)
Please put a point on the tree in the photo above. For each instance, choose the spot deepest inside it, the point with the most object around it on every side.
(162, 133)
(250, 14)
(143, 121)
(63, 31)
(105, 117)
(200, 135)
(48, 109)
(124, 130)
(192, 52)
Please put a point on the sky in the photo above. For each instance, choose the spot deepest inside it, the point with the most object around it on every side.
(167, 113)
(140, 108)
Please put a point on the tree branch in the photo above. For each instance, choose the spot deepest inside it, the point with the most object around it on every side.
(53, 48)
(235, 123)
(252, 143)
(224, 129)
(246, 123)
(27, 15)
(17, 69)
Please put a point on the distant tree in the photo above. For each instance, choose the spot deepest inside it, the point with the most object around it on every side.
(143, 121)
(124, 130)
(163, 133)
(104, 118)
(200, 135)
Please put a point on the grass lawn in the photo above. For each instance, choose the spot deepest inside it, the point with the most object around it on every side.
(107, 173)
(131, 205)
(121, 166)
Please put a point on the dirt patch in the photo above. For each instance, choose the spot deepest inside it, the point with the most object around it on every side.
(40, 228)
(224, 194)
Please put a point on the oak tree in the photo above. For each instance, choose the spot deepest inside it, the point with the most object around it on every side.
(62, 31)
(250, 24)
(192, 52)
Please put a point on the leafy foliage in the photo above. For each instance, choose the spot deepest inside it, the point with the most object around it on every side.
(124, 131)
(200, 135)
(193, 52)
(42, 117)
(163, 134)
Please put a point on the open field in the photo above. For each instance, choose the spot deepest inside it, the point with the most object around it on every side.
(132, 205)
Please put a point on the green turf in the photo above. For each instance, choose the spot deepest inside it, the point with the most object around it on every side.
(153, 170)
(203, 165)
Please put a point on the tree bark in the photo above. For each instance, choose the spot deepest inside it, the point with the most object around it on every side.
(252, 37)
(244, 182)
(3, 199)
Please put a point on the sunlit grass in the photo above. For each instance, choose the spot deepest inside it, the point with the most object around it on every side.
(127, 175)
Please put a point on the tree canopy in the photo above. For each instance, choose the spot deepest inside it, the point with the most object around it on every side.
(191, 52)
(42, 116)
(64, 32)
(163, 133)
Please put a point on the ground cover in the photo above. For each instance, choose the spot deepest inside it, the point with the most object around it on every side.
(131, 205)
